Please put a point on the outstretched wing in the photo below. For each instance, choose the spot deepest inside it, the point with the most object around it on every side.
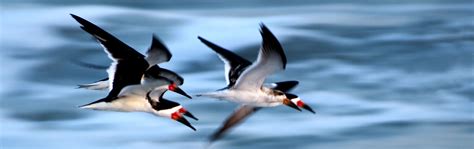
(157, 72)
(271, 58)
(128, 65)
(234, 64)
(113, 46)
(236, 117)
(158, 52)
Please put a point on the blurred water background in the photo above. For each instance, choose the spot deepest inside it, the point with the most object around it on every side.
(381, 74)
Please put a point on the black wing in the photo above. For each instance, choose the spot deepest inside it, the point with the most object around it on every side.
(158, 52)
(234, 64)
(271, 58)
(116, 48)
(156, 72)
(128, 66)
(236, 117)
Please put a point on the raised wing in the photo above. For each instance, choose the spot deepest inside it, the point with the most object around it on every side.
(128, 65)
(113, 46)
(236, 117)
(234, 64)
(271, 58)
(158, 72)
(159, 76)
(158, 52)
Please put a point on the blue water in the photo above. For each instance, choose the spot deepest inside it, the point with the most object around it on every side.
(388, 75)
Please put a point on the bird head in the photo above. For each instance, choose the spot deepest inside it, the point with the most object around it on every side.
(282, 97)
(173, 87)
(298, 102)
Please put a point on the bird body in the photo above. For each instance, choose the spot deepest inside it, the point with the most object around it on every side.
(129, 103)
(264, 97)
(245, 81)
(133, 77)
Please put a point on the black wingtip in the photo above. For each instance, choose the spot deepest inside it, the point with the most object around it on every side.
(105, 99)
(79, 19)
(87, 26)
(263, 26)
(213, 138)
(73, 15)
(270, 41)
(158, 44)
(82, 106)
(213, 46)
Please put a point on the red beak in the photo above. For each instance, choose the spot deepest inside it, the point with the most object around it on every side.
(173, 87)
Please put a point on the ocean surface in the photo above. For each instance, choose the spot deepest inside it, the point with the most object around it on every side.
(380, 74)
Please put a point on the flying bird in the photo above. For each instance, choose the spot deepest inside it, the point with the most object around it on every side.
(157, 53)
(129, 84)
(245, 81)
(235, 65)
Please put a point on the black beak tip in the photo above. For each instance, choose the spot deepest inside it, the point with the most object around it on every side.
(189, 96)
(194, 129)
(183, 121)
(309, 109)
(188, 114)
(294, 106)
(180, 91)
(190, 126)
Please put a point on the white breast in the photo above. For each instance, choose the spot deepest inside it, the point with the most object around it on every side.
(131, 104)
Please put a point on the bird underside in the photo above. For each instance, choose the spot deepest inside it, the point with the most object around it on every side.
(244, 97)
(122, 104)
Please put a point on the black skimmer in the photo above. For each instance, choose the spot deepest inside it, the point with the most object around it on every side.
(245, 80)
(157, 53)
(138, 98)
(128, 67)
(130, 86)
(235, 65)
